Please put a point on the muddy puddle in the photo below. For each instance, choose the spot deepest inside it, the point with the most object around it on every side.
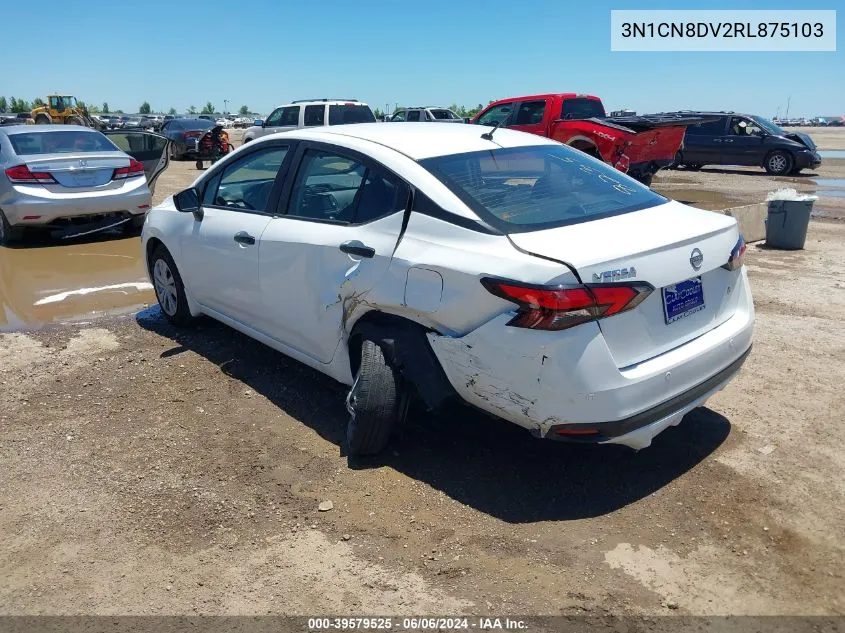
(44, 281)
(830, 187)
(709, 200)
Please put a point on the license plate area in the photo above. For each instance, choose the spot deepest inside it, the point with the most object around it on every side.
(682, 299)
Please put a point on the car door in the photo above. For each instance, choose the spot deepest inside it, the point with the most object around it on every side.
(703, 143)
(153, 150)
(281, 119)
(341, 218)
(745, 142)
(220, 253)
(530, 116)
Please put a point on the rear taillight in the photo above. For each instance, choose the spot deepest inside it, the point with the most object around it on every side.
(737, 258)
(20, 174)
(135, 169)
(561, 307)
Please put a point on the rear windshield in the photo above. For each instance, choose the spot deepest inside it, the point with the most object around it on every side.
(60, 142)
(192, 124)
(532, 188)
(582, 108)
(340, 114)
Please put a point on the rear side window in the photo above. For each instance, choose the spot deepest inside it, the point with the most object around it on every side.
(532, 188)
(335, 188)
(349, 113)
(707, 129)
(414, 115)
(582, 108)
(442, 115)
(60, 142)
(530, 112)
(315, 115)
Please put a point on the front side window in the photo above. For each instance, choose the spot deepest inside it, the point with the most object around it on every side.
(398, 116)
(290, 116)
(275, 118)
(545, 186)
(495, 114)
(315, 115)
(246, 184)
(530, 112)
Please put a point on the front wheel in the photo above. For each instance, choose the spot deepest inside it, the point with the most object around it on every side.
(169, 289)
(778, 163)
(377, 403)
(43, 119)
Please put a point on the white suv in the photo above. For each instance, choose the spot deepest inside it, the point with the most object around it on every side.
(435, 115)
(311, 113)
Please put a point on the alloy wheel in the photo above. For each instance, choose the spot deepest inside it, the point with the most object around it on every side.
(777, 163)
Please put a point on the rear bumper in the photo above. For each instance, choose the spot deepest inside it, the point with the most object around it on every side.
(547, 382)
(35, 205)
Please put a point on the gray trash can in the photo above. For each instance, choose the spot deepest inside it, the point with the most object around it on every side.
(787, 221)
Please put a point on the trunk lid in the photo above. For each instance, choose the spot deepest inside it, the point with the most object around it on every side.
(658, 243)
(78, 172)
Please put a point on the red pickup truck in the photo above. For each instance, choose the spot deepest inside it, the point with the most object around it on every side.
(636, 145)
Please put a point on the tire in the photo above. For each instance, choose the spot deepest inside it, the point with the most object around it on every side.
(377, 402)
(75, 120)
(646, 180)
(693, 166)
(9, 234)
(778, 163)
(199, 164)
(42, 119)
(169, 289)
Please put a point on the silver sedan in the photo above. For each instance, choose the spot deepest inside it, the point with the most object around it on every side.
(55, 176)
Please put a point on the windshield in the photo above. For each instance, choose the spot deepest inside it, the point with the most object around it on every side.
(582, 108)
(767, 125)
(340, 114)
(60, 142)
(533, 188)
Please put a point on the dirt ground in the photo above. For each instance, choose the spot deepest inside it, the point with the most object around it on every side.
(145, 470)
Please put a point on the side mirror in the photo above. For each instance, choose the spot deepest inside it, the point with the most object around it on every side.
(258, 123)
(188, 201)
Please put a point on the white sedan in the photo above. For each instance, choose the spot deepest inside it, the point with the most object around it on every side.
(416, 261)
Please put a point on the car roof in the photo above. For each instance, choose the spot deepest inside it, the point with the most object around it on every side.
(23, 129)
(323, 102)
(419, 140)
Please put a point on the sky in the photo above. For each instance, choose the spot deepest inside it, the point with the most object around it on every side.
(175, 53)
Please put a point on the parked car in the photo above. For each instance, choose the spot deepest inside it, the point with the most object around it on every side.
(19, 118)
(184, 134)
(749, 140)
(637, 145)
(53, 176)
(311, 113)
(516, 274)
(207, 117)
(436, 115)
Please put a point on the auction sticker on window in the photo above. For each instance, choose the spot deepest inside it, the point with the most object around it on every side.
(682, 299)
(724, 30)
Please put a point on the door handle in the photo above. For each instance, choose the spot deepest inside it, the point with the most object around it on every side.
(242, 237)
(717, 140)
(729, 140)
(355, 247)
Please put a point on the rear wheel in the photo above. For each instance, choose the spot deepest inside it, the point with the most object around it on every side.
(8, 233)
(378, 402)
(169, 289)
(75, 120)
(199, 164)
(778, 163)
